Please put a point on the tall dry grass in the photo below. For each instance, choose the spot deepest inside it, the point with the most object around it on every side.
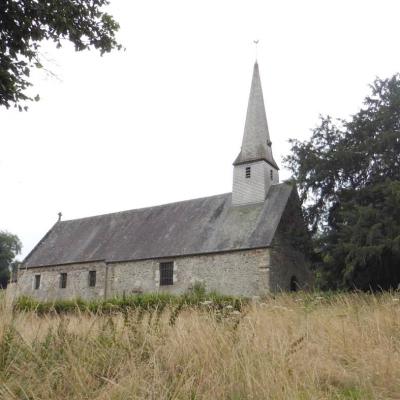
(287, 347)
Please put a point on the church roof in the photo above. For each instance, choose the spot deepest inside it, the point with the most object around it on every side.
(256, 143)
(199, 226)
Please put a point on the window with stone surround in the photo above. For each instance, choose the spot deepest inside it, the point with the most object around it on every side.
(92, 278)
(271, 174)
(248, 172)
(166, 273)
(63, 280)
(37, 282)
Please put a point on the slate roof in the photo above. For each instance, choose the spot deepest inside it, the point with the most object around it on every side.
(256, 144)
(199, 226)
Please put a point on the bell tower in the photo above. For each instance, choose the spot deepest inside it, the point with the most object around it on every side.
(254, 170)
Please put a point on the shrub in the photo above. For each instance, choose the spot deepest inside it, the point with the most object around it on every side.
(149, 301)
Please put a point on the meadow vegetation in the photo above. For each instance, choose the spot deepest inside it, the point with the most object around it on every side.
(289, 346)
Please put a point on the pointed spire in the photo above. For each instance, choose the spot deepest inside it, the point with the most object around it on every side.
(256, 143)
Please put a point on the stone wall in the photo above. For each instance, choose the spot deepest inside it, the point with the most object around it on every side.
(286, 263)
(77, 282)
(237, 273)
(246, 273)
(291, 243)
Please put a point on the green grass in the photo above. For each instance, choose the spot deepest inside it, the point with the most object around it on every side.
(300, 346)
(142, 301)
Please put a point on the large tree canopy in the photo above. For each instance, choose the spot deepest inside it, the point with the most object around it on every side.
(10, 247)
(24, 24)
(348, 175)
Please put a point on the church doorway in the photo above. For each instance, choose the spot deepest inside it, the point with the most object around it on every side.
(294, 284)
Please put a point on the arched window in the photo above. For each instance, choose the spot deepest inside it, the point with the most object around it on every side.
(294, 284)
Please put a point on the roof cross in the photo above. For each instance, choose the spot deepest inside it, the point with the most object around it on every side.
(256, 46)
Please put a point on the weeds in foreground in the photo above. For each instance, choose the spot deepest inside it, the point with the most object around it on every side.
(302, 346)
(145, 302)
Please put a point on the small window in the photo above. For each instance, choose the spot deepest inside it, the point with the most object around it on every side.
(63, 280)
(92, 278)
(37, 282)
(248, 172)
(271, 174)
(166, 273)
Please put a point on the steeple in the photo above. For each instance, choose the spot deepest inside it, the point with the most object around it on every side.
(255, 169)
(256, 144)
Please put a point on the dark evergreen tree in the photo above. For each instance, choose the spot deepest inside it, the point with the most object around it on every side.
(348, 175)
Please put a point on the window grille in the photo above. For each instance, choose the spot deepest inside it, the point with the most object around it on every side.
(63, 280)
(248, 172)
(37, 282)
(271, 174)
(92, 278)
(166, 273)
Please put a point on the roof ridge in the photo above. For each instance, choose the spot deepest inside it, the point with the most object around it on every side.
(144, 208)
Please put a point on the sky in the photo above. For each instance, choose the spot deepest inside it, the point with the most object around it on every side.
(162, 121)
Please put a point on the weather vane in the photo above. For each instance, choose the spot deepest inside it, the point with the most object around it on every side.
(256, 44)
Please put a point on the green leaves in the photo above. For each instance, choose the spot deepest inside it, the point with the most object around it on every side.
(24, 24)
(348, 175)
(10, 247)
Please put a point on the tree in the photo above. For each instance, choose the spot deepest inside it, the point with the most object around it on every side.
(348, 176)
(24, 24)
(10, 247)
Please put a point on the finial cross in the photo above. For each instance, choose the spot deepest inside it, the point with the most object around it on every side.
(256, 46)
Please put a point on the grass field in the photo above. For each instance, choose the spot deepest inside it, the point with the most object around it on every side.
(343, 346)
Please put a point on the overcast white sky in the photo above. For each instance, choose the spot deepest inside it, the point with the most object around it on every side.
(163, 121)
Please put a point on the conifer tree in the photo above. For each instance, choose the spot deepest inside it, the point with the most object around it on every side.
(348, 175)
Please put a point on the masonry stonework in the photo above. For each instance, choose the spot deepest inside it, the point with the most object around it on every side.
(287, 263)
(237, 273)
(288, 250)
(242, 273)
(77, 282)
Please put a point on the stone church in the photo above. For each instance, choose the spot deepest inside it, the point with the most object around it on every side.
(248, 242)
